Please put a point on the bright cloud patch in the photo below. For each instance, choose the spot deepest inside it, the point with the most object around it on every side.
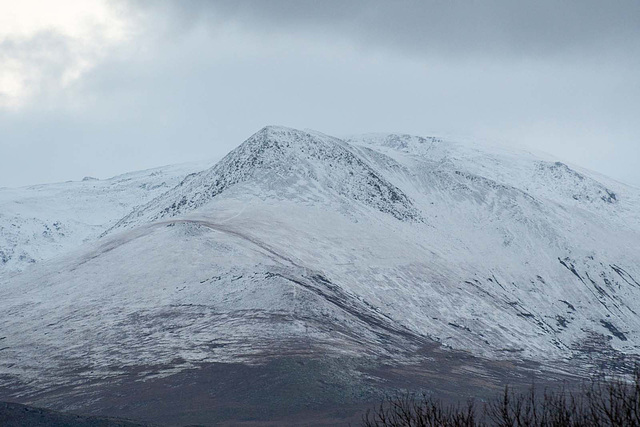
(46, 45)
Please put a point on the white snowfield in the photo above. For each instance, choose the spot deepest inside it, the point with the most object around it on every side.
(298, 242)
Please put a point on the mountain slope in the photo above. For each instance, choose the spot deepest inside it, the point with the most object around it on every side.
(522, 245)
(372, 248)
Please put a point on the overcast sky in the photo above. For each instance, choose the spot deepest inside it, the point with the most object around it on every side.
(97, 88)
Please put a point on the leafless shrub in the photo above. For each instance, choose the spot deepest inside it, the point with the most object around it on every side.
(604, 402)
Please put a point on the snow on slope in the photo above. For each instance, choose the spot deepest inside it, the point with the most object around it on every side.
(300, 242)
(42, 221)
(539, 175)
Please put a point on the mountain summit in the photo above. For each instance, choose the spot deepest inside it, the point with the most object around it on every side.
(285, 163)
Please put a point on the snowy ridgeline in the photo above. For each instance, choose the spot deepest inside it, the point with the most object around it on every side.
(369, 246)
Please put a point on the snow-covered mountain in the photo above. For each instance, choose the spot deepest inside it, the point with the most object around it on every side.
(300, 243)
(42, 221)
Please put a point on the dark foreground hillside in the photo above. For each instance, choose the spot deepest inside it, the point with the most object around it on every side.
(290, 391)
(600, 402)
(17, 415)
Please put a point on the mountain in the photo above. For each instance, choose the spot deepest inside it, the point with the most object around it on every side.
(42, 221)
(345, 261)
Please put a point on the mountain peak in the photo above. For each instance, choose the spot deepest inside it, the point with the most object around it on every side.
(292, 164)
(276, 129)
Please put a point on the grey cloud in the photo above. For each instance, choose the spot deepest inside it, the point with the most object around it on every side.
(447, 28)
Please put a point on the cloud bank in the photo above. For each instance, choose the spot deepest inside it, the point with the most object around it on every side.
(135, 84)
